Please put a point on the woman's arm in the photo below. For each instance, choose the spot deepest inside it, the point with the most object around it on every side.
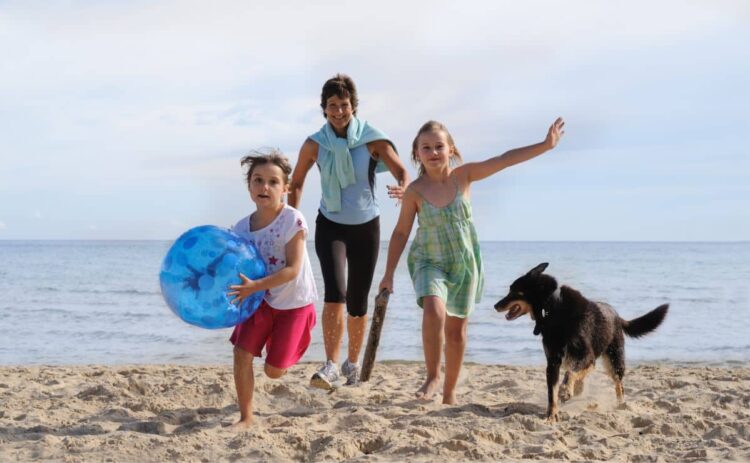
(382, 150)
(481, 170)
(308, 154)
(295, 251)
(399, 237)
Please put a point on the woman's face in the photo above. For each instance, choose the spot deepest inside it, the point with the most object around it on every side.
(339, 113)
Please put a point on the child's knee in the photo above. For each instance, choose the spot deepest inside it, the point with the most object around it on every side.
(273, 372)
(455, 335)
(433, 307)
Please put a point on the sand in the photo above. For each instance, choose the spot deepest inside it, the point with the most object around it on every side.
(181, 413)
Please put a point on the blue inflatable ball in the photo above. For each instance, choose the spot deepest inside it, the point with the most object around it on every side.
(198, 270)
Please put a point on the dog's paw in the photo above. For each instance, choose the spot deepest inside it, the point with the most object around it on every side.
(552, 416)
(564, 393)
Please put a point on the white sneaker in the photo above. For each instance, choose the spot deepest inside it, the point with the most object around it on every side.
(351, 372)
(326, 376)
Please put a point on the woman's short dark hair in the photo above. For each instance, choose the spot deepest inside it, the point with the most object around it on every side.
(341, 86)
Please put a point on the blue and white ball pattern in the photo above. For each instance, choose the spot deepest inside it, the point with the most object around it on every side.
(198, 270)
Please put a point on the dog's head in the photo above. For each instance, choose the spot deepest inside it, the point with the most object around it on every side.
(528, 294)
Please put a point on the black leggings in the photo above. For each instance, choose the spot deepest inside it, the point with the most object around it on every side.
(356, 245)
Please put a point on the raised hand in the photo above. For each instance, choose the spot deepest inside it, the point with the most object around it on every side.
(554, 133)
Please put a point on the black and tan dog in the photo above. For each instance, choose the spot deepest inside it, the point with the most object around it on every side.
(575, 332)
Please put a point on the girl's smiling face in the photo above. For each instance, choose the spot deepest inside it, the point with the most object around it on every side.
(434, 150)
(339, 113)
(267, 185)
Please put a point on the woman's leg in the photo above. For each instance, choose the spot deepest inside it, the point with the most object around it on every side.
(362, 248)
(455, 345)
(331, 251)
(433, 321)
(244, 382)
(333, 329)
(355, 328)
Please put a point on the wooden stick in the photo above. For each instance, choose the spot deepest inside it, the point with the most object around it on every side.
(378, 316)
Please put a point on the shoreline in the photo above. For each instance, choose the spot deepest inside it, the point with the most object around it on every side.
(181, 412)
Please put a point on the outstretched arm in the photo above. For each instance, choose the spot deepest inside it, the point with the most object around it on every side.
(399, 237)
(383, 151)
(481, 170)
(308, 154)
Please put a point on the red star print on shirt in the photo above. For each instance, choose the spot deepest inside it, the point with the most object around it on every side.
(272, 260)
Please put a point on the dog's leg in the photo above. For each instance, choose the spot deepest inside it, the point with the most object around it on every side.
(553, 375)
(578, 387)
(574, 380)
(580, 360)
(564, 390)
(614, 362)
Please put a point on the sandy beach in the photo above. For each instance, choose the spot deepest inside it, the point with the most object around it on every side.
(181, 413)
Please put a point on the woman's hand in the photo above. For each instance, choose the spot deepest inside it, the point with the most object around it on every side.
(382, 150)
(386, 283)
(554, 133)
(396, 192)
(242, 291)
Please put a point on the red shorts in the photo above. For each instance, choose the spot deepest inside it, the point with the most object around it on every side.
(284, 333)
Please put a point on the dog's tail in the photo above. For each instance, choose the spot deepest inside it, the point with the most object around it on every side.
(645, 324)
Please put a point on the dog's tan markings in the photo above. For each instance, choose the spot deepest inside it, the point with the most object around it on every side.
(553, 379)
(578, 388)
(552, 408)
(619, 389)
(563, 391)
(574, 379)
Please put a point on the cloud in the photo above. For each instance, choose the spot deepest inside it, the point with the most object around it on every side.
(135, 108)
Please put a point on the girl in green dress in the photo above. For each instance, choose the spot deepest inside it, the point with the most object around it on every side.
(444, 260)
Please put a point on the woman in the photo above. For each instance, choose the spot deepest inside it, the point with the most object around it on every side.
(348, 152)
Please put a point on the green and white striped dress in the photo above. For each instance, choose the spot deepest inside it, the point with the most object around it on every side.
(444, 258)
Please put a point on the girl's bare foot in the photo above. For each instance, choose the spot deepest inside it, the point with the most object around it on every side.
(242, 425)
(428, 389)
(449, 399)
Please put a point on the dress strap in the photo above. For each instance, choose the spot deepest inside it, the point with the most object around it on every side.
(456, 194)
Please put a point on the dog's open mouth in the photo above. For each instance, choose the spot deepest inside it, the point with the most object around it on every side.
(514, 310)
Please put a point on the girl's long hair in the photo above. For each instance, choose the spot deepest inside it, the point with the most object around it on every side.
(435, 126)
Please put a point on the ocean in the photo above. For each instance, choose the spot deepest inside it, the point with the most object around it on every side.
(98, 302)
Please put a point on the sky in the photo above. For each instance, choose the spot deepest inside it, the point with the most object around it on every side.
(127, 120)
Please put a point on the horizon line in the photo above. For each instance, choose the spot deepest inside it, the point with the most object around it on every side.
(7, 240)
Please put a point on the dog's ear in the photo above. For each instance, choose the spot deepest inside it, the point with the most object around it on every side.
(538, 269)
